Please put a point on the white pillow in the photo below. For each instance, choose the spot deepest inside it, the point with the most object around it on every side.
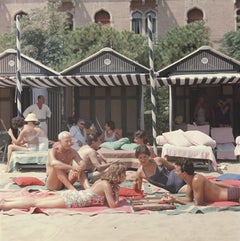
(222, 134)
(238, 140)
(176, 138)
(160, 140)
(199, 138)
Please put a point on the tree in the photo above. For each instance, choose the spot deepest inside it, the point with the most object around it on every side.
(180, 42)
(230, 44)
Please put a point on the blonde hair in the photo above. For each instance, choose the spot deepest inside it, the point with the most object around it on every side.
(115, 173)
(63, 134)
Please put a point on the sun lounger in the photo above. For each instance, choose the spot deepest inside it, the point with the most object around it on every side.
(27, 159)
(194, 145)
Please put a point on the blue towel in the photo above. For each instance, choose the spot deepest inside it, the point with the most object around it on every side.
(228, 176)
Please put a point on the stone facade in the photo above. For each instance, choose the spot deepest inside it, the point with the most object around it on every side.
(169, 13)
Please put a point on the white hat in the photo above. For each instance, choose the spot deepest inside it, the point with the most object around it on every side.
(31, 117)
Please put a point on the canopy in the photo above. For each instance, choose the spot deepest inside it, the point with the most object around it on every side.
(105, 80)
(199, 79)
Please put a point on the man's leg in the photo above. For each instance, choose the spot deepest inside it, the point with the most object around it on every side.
(56, 179)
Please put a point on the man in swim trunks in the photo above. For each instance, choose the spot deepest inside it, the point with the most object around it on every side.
(200, 189)
(59, 169)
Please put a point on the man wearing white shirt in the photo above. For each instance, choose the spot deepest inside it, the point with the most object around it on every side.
(41, 110)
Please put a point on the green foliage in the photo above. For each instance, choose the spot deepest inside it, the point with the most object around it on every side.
(90, 38)
(230, 44)
(179, 42)
(7, 41)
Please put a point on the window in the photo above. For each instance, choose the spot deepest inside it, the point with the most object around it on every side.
(70, 21)
(153, 16)
(238, 19)
(137, 22)
(194, 15)
(102, 17)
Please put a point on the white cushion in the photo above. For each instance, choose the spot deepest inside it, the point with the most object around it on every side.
(160, 140)
(176, 138)
(222, 134)
(199, 138)
(238, 140)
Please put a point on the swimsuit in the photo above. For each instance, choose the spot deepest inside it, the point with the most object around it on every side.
(82, 198)
(234, 194)
(109, 138)
(165, 179)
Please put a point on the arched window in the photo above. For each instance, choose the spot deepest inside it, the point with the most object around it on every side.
(20, 13)
(70, 21)
(238, 19)
(137, 22)
(153, 16)
(102, 17)
(194, 15)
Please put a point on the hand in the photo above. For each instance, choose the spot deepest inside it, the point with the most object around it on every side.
(166, 197)
(77, 169)
(80, 143)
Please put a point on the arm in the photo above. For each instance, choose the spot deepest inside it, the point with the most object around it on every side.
(182, 200)
(222, 184)
(101, 158)
(109, 194)
(164, 162)
(95, 161)
(118, 133)
(28, 111)
(19, 141)
(198, 189)
(137, 185)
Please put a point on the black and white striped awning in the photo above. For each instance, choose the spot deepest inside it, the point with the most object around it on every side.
(201, 79)
(107, 80)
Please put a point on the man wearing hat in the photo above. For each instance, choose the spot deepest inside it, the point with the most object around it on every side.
(41, 110)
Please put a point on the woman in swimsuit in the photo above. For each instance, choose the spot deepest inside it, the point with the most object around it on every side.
(27, 139)
(110, 133)
(158, 171)
(104, 191)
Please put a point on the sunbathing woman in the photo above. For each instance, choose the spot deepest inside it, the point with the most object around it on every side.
(27, 139)
(104, 191)
(157, 171)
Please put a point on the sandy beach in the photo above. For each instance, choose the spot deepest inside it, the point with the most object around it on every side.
(220, 226)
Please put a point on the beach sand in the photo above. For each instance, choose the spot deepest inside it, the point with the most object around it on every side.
(220, 226)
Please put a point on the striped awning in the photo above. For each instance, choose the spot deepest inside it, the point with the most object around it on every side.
(106, 80)
(199, 79)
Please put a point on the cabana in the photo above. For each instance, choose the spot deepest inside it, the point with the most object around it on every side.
(106, 85)
(207, 72)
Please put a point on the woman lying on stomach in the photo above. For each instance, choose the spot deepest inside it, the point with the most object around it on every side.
(104, 191)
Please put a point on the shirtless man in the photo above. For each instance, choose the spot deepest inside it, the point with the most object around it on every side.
(59, 169)
(200, 189)
(95, 164)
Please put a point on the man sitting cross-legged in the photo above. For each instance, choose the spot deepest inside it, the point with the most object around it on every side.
(59, 169)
